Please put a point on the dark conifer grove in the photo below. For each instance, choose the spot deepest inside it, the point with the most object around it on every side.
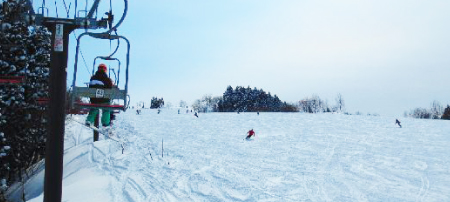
(24, 59)
(243, 99)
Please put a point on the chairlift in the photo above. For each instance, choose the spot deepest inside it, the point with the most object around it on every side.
(114, 93)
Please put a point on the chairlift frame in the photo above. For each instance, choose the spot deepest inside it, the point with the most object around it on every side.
(113, 93)
(109, 58)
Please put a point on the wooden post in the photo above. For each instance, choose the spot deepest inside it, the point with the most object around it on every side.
(96, 123)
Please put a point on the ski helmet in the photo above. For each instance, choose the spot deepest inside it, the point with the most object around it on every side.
(102, 67)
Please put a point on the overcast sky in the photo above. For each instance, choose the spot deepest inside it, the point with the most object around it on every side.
(383, 56)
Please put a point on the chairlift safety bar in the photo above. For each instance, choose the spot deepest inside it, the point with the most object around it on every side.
(113, 93)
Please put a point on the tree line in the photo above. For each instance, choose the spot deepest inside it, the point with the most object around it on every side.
(241, 99)
(436, 111)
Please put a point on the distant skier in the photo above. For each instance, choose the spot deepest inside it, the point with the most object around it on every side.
(195, 114)
(257, 113)
(250, 134)
(159, 111)
(138, 111)
(398, 122)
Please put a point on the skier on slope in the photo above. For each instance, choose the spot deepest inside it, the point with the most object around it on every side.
(398, 122)
(100, 80)
(250, 134)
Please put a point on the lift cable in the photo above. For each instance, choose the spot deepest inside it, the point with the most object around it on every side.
(93, 9)
(67, 9)
(75, 35)
(82, 56)
(56, 9)
(76, 6)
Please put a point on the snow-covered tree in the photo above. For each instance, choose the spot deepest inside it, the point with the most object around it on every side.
(206, 104)
(436, 110)
(250, 100)
(24, 54)
(156, 103)
(420, 113)
(197, 106)
(446, 114)
(182, 104)
(340, 104)
(313, 105)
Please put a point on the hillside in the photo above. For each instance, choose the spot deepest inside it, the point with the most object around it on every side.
(294, 157)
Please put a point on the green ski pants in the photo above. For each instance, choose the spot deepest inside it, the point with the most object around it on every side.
(106, 115)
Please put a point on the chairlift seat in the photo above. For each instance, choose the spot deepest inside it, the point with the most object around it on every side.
(109, 93)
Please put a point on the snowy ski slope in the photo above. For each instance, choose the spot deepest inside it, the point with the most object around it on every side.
(294, 157)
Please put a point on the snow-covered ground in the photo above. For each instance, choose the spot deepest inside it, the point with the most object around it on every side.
(294, 157)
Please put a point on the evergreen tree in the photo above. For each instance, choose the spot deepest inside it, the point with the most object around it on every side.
(251, 100)
(24, 53)
(156, 103)
(446, 114)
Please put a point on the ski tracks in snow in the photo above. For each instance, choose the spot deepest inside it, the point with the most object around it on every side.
(204, 163)
(136, 174)
(107, 154)
(421, 167)
(424, 189)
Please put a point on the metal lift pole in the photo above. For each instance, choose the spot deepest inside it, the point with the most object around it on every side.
(60, 29)
(57, 83)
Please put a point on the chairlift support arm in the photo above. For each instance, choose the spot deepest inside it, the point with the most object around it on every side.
(93, 9)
